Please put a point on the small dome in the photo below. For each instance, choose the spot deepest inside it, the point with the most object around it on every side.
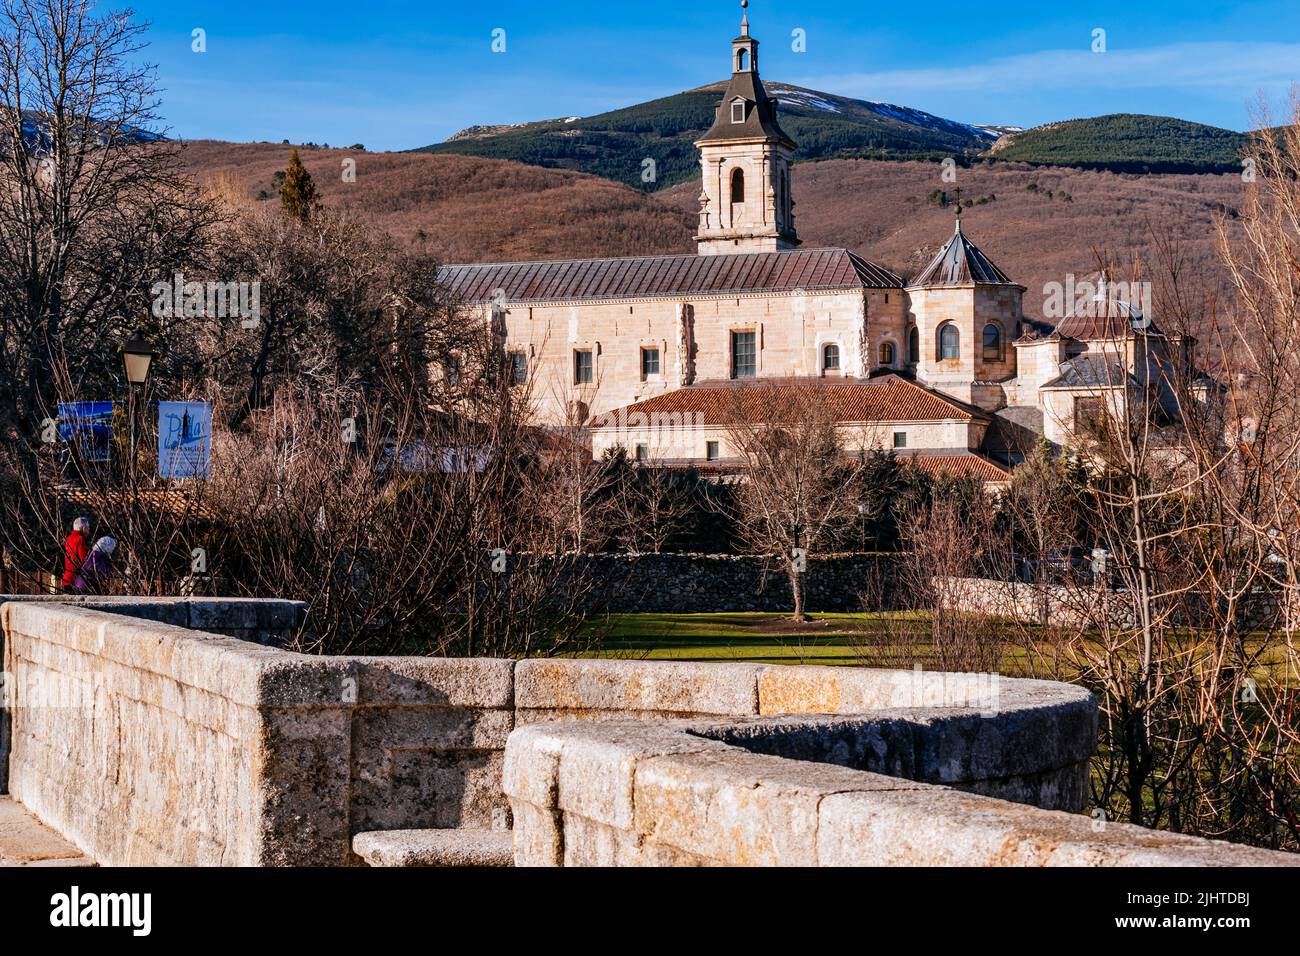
(1104, 316)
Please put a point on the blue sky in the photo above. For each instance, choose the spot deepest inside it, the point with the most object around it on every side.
(396, 75)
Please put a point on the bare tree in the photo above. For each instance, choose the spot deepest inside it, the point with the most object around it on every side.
(795, 492)
(93, 208)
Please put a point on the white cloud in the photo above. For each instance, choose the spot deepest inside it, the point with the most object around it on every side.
(1233, 69)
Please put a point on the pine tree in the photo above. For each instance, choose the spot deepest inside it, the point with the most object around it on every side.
(298, 191)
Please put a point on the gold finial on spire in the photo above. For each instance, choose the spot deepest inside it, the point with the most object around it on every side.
(744, 18)
(957, 211)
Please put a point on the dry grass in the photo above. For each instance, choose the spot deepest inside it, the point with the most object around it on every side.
(468, 209)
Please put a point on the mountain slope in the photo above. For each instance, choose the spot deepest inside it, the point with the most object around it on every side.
(459, 208)
(1126, 142)
(615, 145)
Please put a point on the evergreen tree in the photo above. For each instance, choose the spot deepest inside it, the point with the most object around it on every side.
(298, 191)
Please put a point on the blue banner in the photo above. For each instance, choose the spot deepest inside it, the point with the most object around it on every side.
(88, 426)
(184, 439)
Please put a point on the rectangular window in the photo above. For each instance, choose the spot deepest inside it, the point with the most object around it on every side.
(900, 439)
(738, 111)
(582, 367)
(649, 363)
(518, 368)
(1089, 415)
(642, 452)
(744, 355)
(711, 451)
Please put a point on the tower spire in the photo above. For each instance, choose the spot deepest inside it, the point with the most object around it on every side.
(744, 18)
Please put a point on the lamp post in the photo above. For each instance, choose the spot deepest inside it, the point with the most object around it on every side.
(137, 356)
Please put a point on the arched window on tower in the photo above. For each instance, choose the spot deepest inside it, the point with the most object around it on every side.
(742, 61)
(887, 354)
(914, 346)
(949, 343)
(738, 185)
(992, 343)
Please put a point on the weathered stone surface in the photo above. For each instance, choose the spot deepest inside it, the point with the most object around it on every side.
(532, 766)
(947, 828)
(663, 687)
(462, 847)
(435, 682)
(597, 766)
(538, 835)
(251, 614)
(741, 809)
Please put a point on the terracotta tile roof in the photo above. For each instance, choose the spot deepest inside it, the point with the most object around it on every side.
(178, 504)
(960, 262)
(959, 465)
(562, 280)
(850, 400)
(1117, 323)
(1105, 316)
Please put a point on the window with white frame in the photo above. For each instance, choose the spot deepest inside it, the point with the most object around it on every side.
(744, 355)
(582, 367)
(649, 363)
(831, 357)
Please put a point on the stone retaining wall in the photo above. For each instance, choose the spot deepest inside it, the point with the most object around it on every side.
(1077, 607)
(195, 748)
(250, 619)
(713, 583)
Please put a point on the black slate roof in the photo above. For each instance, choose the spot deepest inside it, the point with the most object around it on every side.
(960, 262)
(641, 277)
(1092, 370)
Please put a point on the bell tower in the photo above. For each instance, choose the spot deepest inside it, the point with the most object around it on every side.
(745, 203)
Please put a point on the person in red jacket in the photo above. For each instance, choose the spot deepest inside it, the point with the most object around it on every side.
(75, 550)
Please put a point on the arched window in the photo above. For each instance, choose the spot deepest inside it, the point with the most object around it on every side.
(949, 343)
(887, 353)
(914, 345)
(738, 185)
(992, 343)
(831, 357)
(742, 61)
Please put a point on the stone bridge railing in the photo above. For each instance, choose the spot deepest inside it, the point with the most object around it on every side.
(149, 742)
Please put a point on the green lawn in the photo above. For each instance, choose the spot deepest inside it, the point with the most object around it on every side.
(864, 640)
(764, 638)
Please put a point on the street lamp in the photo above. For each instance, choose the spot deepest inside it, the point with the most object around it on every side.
(137, 355)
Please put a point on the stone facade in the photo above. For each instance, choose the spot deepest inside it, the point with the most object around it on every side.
(693, 341)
